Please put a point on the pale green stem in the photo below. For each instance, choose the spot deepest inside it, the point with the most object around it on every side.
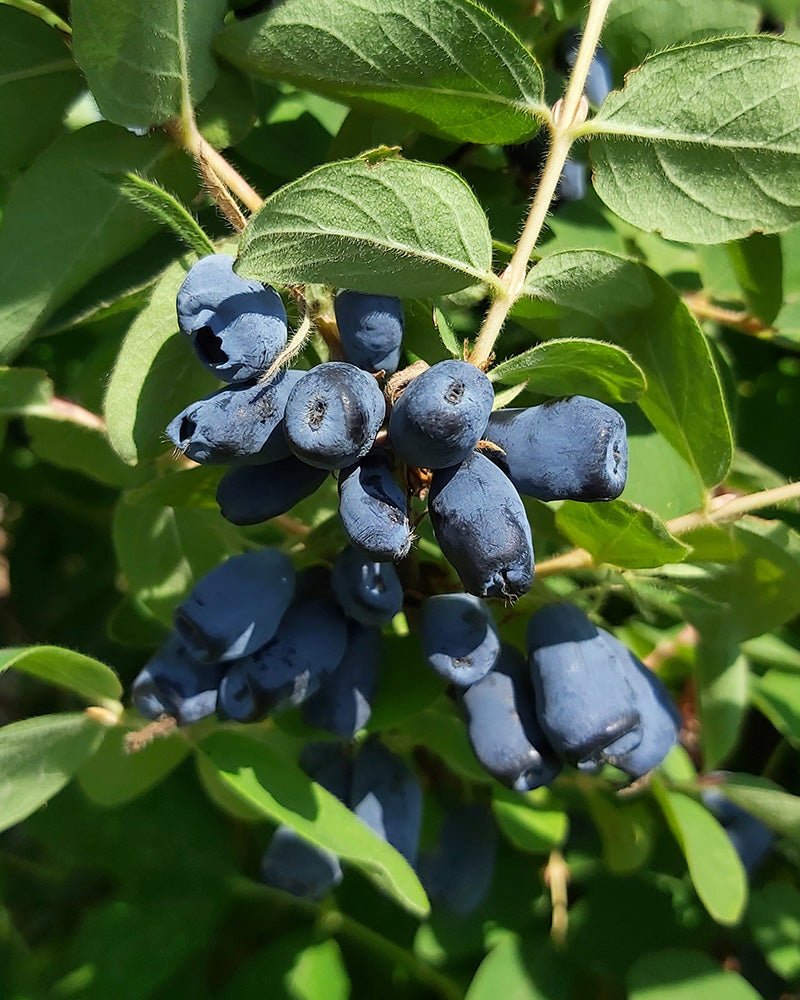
(561, 125)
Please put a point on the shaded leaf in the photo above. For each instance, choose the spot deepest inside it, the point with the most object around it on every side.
(758, 265)
(777, 695)
(774, 918)
(114, 776)
(38, 80)
(722, 676)
(533, 822)
(685, 975)
(766, 801)
(297, 967)
(166, 209)
(146, 61)
(38, 757)
(24, 390)
(65, 222)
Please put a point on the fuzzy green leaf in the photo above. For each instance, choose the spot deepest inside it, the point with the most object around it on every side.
(703, 142)
(447, 63)
(393, 226)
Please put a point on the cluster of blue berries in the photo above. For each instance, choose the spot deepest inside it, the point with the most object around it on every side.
(283, 435)
(253, 638)
(580, 696)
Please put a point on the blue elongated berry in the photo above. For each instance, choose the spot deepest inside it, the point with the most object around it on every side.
(584, 702)
(372, 507)
(242, 423)
(297, 866)
(371, 330)
(442, 415)
(174, 683)
(573, 182)
(459, 638)
(237, 326)
(310, 642)
(369, 591)
(482, 529)
(503, 729)
(250, 494)
(570, 449)
(661, 720)
(333, 414)
(343, 701)
(751, 839)
(387, 797)
(598, 80)
(236, 608)
(459, 871)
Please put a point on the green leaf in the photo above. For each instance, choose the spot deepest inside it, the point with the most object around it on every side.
(766, 801)
(297, 967)
(774, 918)
(774, 651)
(449, 64)
(406, 684)
(146, 61)
(65, 222)
(72, 440)
(24, 390)
(114, 775)
(592, 293)
(38, 757)
(722, 677)
(620, 533)
(626, 830)
(714, 865)
(280, 790)
(395, 226)
(703, 144)
(685, 975)
(777, 695)
(155, 377)
(758, 265)
(163, 551)
(166, 209)
(444, 734)
(575, 367)
(750, 585)
(514, 970)
(532, 822)
(38, 80)
(92, 680)
(634, 29)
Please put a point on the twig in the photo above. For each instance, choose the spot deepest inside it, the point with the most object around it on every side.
(730, 510)
(701, 308)
(556, 877)
(567, 114)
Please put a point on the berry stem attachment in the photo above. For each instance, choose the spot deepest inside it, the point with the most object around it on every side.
(567, 114)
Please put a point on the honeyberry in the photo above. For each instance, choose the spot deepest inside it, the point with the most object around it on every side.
(175, 683)
(459, 871)
(503, 729)
(387, 797)
(569, 449)
(371, 329)
(368, 591)
(250, 494)
(343, 701)
(237, 607)
(459, 638)
(333, 414)
(481, 527)
(237, 326)
(441, 415)
(242, 423)
(372, 507)
(584, 702)
(297, 866)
